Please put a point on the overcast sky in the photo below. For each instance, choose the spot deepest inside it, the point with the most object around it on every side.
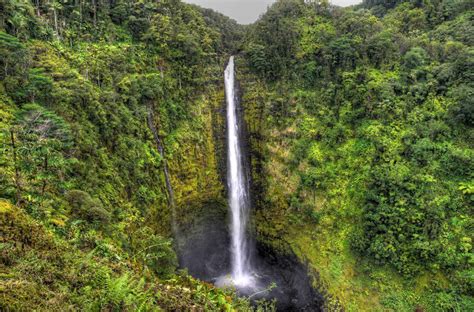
(247, 11)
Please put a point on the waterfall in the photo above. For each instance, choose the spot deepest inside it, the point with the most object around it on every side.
(237, 186)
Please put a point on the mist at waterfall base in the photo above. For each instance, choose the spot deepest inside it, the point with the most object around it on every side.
(226, 255)
(206, 256)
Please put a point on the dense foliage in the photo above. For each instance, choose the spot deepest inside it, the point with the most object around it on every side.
(46, 273)
(361, 141)
(369, 113)
(97, 98)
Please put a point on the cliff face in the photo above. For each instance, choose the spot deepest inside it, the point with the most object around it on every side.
(198, 158)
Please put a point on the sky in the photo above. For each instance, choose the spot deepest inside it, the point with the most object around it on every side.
(247, 11)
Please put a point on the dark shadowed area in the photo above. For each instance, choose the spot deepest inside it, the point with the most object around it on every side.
(205, 253)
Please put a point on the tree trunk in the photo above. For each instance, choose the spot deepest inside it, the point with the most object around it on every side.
(94, 4)
(45, 167)
(55, 22)
(38, 13)
(80, 10)
(17, 171)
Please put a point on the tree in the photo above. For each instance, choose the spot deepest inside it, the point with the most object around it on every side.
(40, 141)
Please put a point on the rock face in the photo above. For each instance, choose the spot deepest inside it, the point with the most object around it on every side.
(294, 291)
(204, 248)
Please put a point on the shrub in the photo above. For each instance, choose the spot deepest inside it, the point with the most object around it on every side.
(86, 208)
(155, 251)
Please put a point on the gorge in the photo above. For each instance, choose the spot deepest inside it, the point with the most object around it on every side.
(327, 165)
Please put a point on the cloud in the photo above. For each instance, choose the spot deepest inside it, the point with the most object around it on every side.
(248, 11)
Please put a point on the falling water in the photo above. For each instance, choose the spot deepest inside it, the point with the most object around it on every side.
(206, 256)
(238, 187)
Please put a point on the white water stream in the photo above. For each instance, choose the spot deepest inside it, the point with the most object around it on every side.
(238, 187)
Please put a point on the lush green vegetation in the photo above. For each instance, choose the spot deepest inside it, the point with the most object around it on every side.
(45, 273)
(361, 140)
(97, 98)
(361, 123)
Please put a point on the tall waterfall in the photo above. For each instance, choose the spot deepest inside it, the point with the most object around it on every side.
(238, 186)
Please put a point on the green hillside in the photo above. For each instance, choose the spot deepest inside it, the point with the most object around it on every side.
(85, 86)
(361, 127)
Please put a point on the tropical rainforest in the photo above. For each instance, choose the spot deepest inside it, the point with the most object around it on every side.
(360, 139)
